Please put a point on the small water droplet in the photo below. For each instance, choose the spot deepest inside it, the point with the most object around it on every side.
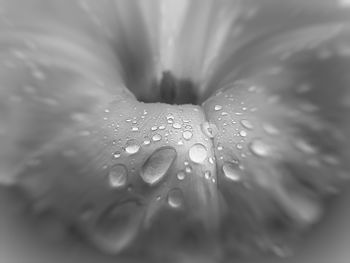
(154, 128)
(177, 125)
(157, 165)
(259, 148)
(132, 147)
(147, 141)
(161, 127)
(187, 135)
(198, 153)
(134, 129)
(207, 175)
(116, 155)
(209, 129)
(118, 176)
(232, 171)
(243, 133)
(175, 198)
(188, 169)
(157, 137)
(181, 175)
(217, 107)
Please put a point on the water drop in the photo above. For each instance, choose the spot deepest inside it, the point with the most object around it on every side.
(209, 129)
(217, 107)
(147, 141)
(177, 125)
(243, 133)
(207, 175)
(187, 135)
(154, 128)
(259, 148)
(175, 198)
(134, 129)
(117, 227)
(132, 147)
(198, 153)
(232, 171)
(181, 175)
(247, 124)
(118, 176)
(157, 137)
(161, 127)
(116, 155)
(157, 165)
(188, 169)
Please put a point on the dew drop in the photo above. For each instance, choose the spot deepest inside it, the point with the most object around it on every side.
(154, 128)
(134, 129)
(157, 165)
(175, 198)
(157, 137)
(198, 153)
(232, 171)
(161, 127)
(247, 124)
(217, 107)
(117, 227)
(181, 175)
(132, 147)
(118, 176)
(259, 148)
(187, 135)
(209, 129)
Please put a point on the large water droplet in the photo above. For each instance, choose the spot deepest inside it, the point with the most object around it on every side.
(118, 176)
(198, 153)
(117, 227)
(175, 198)
(132, 146)
(157, 165)
(209, 129)
(232, 171)
(259, 148)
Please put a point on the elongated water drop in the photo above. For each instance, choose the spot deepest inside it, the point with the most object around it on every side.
(117, 227)
(157, 165)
